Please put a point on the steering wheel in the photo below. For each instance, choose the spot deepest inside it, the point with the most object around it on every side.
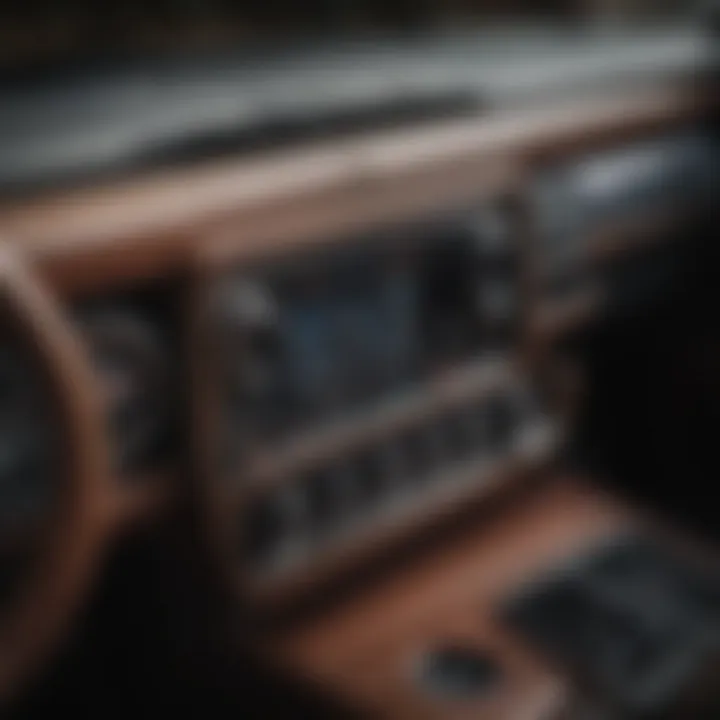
(54, 472)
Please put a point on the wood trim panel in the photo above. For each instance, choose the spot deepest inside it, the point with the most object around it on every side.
(91, 238)
(429, 401)
(361, 650)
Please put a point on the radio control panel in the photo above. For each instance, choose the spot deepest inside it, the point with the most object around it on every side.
(311, 338)
(362, 387)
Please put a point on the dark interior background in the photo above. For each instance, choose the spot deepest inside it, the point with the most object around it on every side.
(47, 31)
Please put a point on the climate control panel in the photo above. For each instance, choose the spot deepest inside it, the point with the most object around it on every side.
(430, 463)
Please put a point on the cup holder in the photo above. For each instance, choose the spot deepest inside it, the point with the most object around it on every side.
(457, 672)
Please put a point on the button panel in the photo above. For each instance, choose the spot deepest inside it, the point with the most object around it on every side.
(349, 493)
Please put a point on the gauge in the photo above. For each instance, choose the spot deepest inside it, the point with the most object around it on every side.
(129, 355)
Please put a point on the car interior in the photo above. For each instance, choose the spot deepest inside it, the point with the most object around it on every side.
(366, 360)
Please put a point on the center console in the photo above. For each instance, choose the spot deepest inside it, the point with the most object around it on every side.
(362, 387)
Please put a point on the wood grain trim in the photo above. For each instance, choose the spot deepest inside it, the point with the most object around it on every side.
(633, 234)
(151, 225)
(550, 521)
(70, 545)
(461, 387)
(387, 685)
(305, 221)
(358, 650)
(552, 319)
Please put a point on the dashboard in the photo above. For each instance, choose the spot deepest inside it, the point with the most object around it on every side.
(338, 346)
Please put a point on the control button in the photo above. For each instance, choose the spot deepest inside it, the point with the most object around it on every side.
(346, 485)
(262, 532)
(246, 305)
(497, 299)
(433, 447)
(462, 435)
(248, 316)
(492, 233)
(458, 672)
(321, 501)
(534, 430)
(418, 456)
(371, 478)
(501, 423)
(393, 465)
(335, 497)
(497, 275)
(475, 424)
(277, 525)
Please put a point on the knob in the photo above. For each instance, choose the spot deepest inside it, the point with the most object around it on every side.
(492, 234)
(248, 318)
(496, 275)
(249, 350)
(497, 301)
(247, 304)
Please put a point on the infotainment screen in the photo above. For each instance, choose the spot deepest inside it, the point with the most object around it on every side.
(348, 336)
(342, 331)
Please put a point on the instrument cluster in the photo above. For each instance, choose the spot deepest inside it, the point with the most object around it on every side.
(132, 340)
